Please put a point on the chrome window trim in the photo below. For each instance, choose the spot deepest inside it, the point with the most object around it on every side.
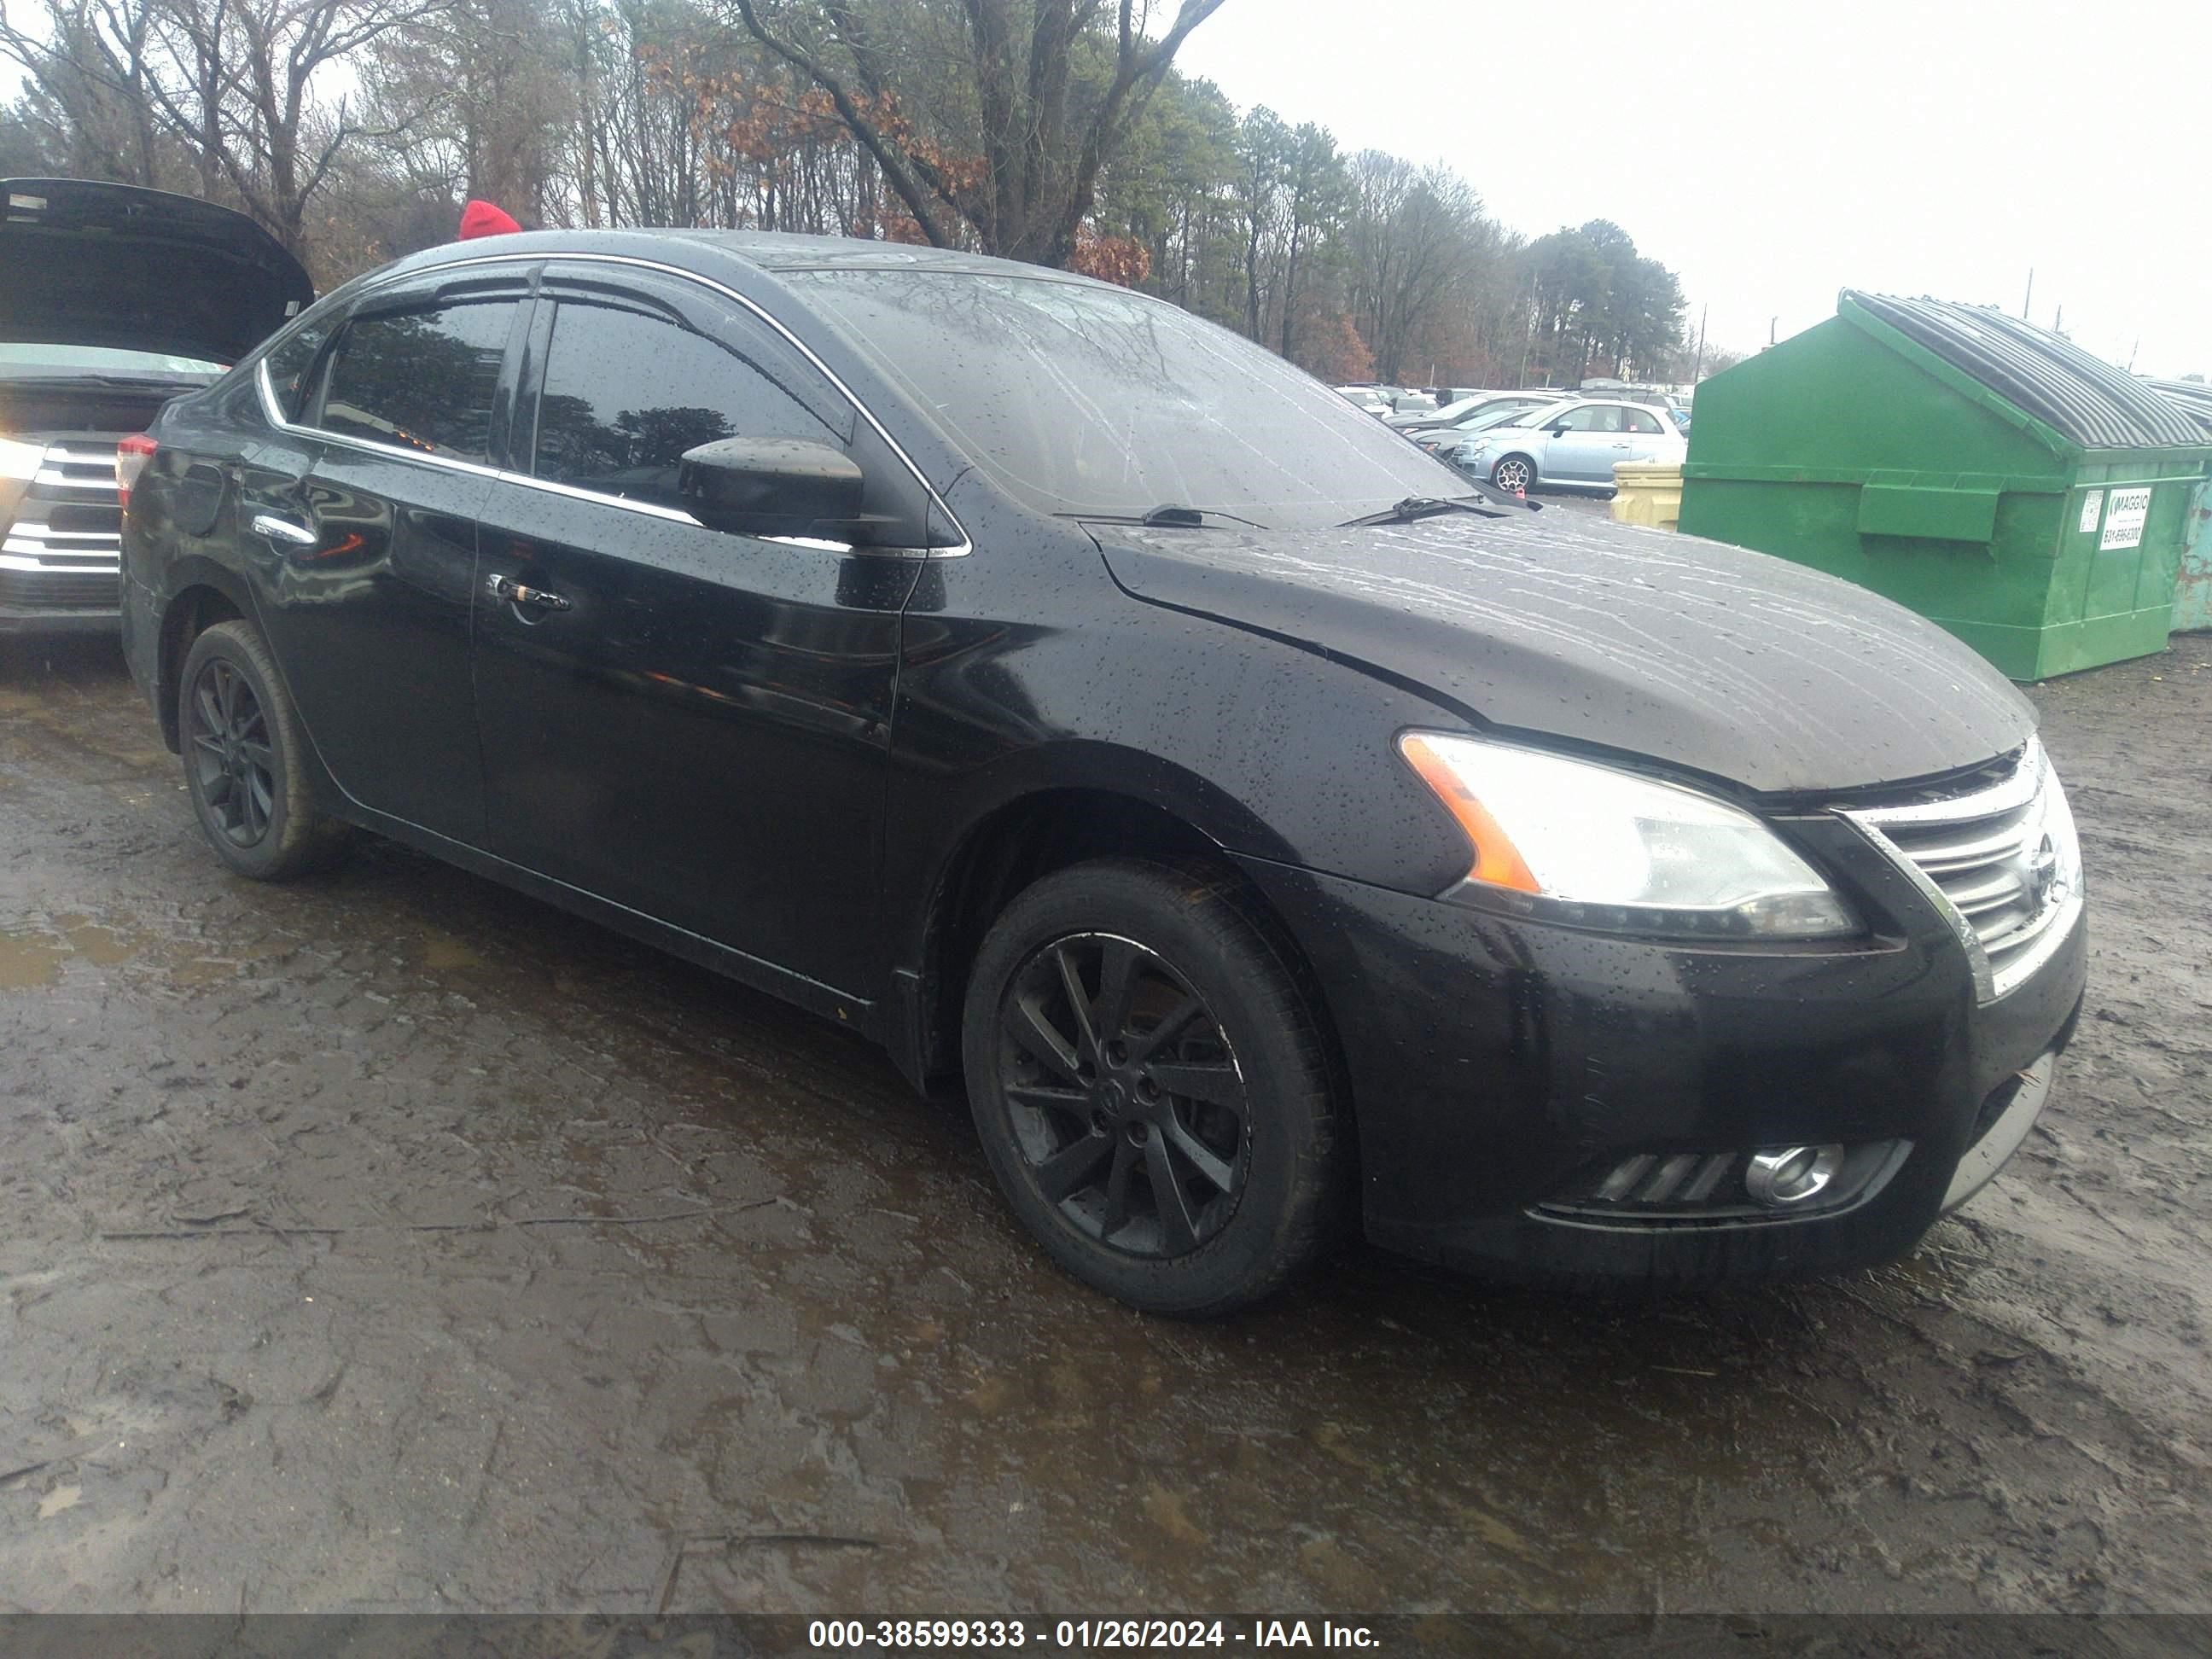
(273, 410)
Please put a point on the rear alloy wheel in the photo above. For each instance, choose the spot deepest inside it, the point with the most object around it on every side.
(1148, 1085)
(244, 754)
(1513, 474)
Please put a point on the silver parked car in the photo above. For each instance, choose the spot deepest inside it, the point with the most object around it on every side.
(1571, 446)
(1442, 440)
(1468, 409)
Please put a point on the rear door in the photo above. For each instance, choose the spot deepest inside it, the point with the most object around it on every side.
(1648, 438)
(375, 568)
(692, 723)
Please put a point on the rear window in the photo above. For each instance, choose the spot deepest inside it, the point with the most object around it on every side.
(420, 379)
(1080, 399)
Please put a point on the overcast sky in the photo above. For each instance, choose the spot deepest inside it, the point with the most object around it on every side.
(1772, 153)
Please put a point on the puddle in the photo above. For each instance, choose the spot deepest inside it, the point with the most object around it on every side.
(444, 951)
(30, 960)
(60, 1498)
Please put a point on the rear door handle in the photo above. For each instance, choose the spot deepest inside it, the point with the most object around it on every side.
(268, 525)
(506, 587)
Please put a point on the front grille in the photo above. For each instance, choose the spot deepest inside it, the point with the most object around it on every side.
(65, 547)
(1999, 856)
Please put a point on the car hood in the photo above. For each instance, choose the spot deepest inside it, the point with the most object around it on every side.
(1707, 657)
(95, 265)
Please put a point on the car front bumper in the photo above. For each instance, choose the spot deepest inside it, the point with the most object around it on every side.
(1500, 1069)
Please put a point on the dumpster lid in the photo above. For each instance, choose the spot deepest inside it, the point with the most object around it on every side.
(2193, 397)
(2085, 400)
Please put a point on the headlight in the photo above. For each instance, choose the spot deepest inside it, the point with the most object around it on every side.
(1595, 847)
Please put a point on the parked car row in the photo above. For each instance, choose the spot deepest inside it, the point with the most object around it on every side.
(1573, 445)
(1543, 437)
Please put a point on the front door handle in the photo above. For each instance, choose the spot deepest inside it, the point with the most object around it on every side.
(271, 527)
(506, 587)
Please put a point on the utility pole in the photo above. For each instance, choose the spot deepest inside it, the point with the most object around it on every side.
(2132, 349)
(2058, 323)
(2031, 294)
(1770, 322)
(1698, 367)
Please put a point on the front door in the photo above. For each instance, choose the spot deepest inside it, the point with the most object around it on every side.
(1585, 452)
(371, 592)
(691, 723)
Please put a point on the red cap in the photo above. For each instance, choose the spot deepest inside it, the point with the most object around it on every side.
(483, 219)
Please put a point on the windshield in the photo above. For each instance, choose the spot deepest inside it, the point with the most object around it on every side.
(1540, 415)
(21, 358)
(1498, 417)
(1078, 399)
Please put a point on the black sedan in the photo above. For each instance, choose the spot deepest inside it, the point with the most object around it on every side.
(1067, 693)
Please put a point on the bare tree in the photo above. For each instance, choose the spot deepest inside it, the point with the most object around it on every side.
(1022, 169)
(230, 82)
(89, 66)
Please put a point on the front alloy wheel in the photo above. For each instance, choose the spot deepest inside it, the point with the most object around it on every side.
(1125, 1097)
(1147, 1071)
(1513, 474)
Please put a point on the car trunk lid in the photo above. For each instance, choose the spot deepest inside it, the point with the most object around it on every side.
(112, 265)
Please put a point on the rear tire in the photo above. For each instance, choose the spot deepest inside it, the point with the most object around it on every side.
(1151, 1087)
(245, 759)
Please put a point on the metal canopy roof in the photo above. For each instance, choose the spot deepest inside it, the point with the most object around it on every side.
(2084, 400)
(2194, 398)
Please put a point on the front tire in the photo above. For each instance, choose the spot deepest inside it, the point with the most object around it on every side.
(245, 758)
(1514, 474)
(1150, 1085)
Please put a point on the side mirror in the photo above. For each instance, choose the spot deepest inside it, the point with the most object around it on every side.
(771, 487)
(1559, 432)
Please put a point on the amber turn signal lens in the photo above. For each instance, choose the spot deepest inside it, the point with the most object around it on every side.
(1497, 860)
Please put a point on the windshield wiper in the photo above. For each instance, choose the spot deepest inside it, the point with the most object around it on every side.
(1170, 516)
(1427, 507)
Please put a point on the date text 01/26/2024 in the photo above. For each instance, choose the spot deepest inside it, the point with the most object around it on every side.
(1086, 1633)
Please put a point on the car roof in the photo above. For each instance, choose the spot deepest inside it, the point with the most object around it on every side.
(770, 251)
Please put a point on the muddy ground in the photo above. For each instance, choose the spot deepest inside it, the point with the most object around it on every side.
(394, 1242)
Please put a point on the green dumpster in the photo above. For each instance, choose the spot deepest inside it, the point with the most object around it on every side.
(1987, 474)
(2192, 589)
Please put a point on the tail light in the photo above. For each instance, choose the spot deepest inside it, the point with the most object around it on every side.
(130, 458)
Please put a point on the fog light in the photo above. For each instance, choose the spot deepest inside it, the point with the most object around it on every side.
(1790, 1174)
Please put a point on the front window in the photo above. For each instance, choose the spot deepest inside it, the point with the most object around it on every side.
(1085, 400)
(1590, 417)
(626, 392)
